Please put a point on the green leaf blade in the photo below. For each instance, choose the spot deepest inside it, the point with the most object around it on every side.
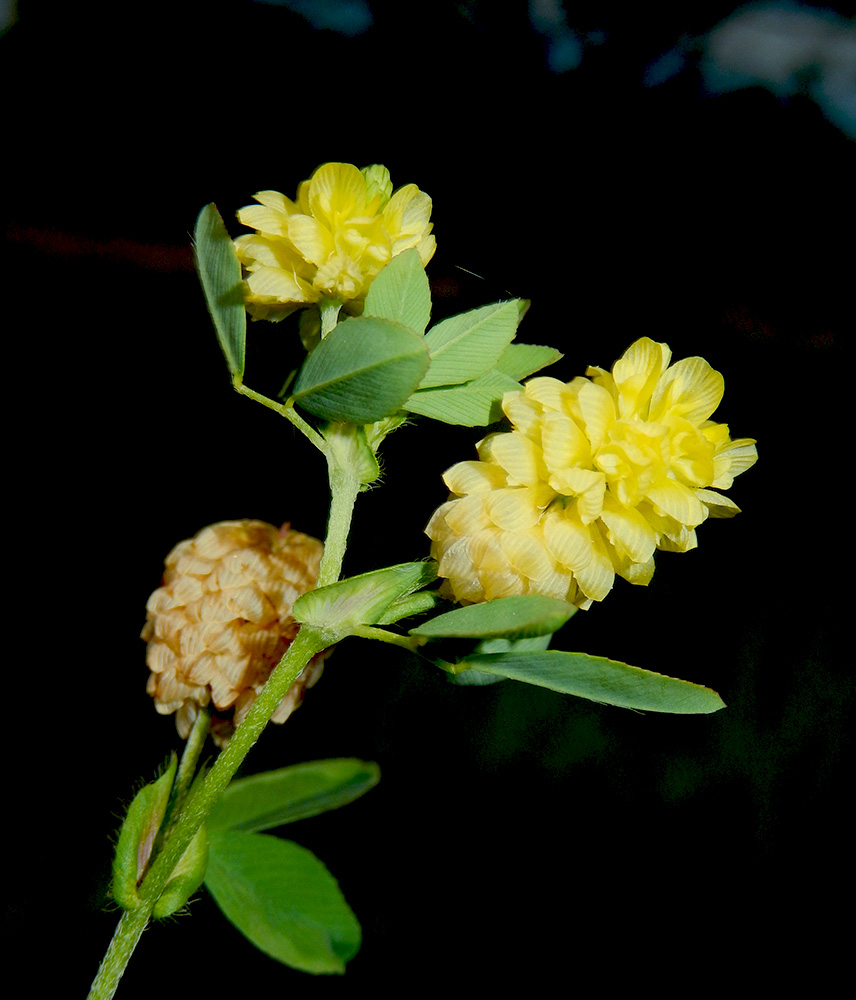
(283, 899)
(288, 794)
(362, 371)
(599, 679)
(220, 274)
(469, 344)
(508, 617)
(473, 404)
(401, 293)
(519, 361)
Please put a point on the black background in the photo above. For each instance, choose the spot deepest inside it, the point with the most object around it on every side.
(514, 831)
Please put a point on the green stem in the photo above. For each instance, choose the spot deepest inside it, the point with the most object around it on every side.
(381, 635)
(284, 410)
(306, 644)
(344, 487)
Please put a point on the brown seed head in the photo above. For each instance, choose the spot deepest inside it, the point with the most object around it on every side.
(222, 620)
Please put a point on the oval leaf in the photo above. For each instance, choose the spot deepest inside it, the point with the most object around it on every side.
(282, 898)
(510, 617)
(362, 371)
(401, 292)
(361, 600)
(274, 798)
(468, 345)
(599, 679)
(220, 273)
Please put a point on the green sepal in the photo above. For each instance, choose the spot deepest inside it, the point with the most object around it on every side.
(138, 835)
(469, 344)
(186, 878)
(509, 617)
(363, 599)
(472, 404)
(599, 679)
(401, 292)
(274, 798)
(283, 899)
(220, 274)
(347, 444)
(362, 371)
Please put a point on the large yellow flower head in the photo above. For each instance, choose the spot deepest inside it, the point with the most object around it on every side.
(330, 244)
(595, 475)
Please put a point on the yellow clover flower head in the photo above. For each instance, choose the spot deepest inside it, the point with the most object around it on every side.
(594, 476)
(345, 225)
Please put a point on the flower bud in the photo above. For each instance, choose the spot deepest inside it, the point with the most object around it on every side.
(222, 621)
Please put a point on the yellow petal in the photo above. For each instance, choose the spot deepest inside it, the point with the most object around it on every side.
(636, 374)
(690, 389)
(474, 477)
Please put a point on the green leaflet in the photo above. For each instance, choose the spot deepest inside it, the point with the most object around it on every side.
(362, 371)
(283, 899)
(473, 404)
(519, 361)
(401, 293)
(509, 617)
(220, 273)
(469, 344)
(599, 679)
(274, 798)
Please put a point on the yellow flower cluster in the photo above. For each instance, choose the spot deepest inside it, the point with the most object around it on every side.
(596, 474)
(222, 621)
(330, 244)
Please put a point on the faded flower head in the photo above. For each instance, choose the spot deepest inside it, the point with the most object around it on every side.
(595, 475)
(345, 225)
(222, 621)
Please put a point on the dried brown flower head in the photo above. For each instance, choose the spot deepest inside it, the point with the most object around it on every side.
(222, 620)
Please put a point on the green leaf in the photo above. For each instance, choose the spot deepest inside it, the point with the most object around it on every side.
(522, 360)
(473, 404)
(220, 273)
(282, 898)
(137, 836)
(361, 600)
(362, 371)
(599, 679)
(476, 678)
(510, 617)
(401, 293)
(275, 798)
(468, 345)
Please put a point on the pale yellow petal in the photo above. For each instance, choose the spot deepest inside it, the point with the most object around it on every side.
(520, 457)
(678, 501)
(311, 238)
(474, 477)
(690, 389)
(636, 374)
(513, 509)
(337, 191)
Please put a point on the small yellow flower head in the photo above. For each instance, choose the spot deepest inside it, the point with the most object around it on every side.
(222, 621)
(595, 475)
(330, 244)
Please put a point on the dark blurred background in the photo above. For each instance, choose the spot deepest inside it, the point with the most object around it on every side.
(685, 174)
